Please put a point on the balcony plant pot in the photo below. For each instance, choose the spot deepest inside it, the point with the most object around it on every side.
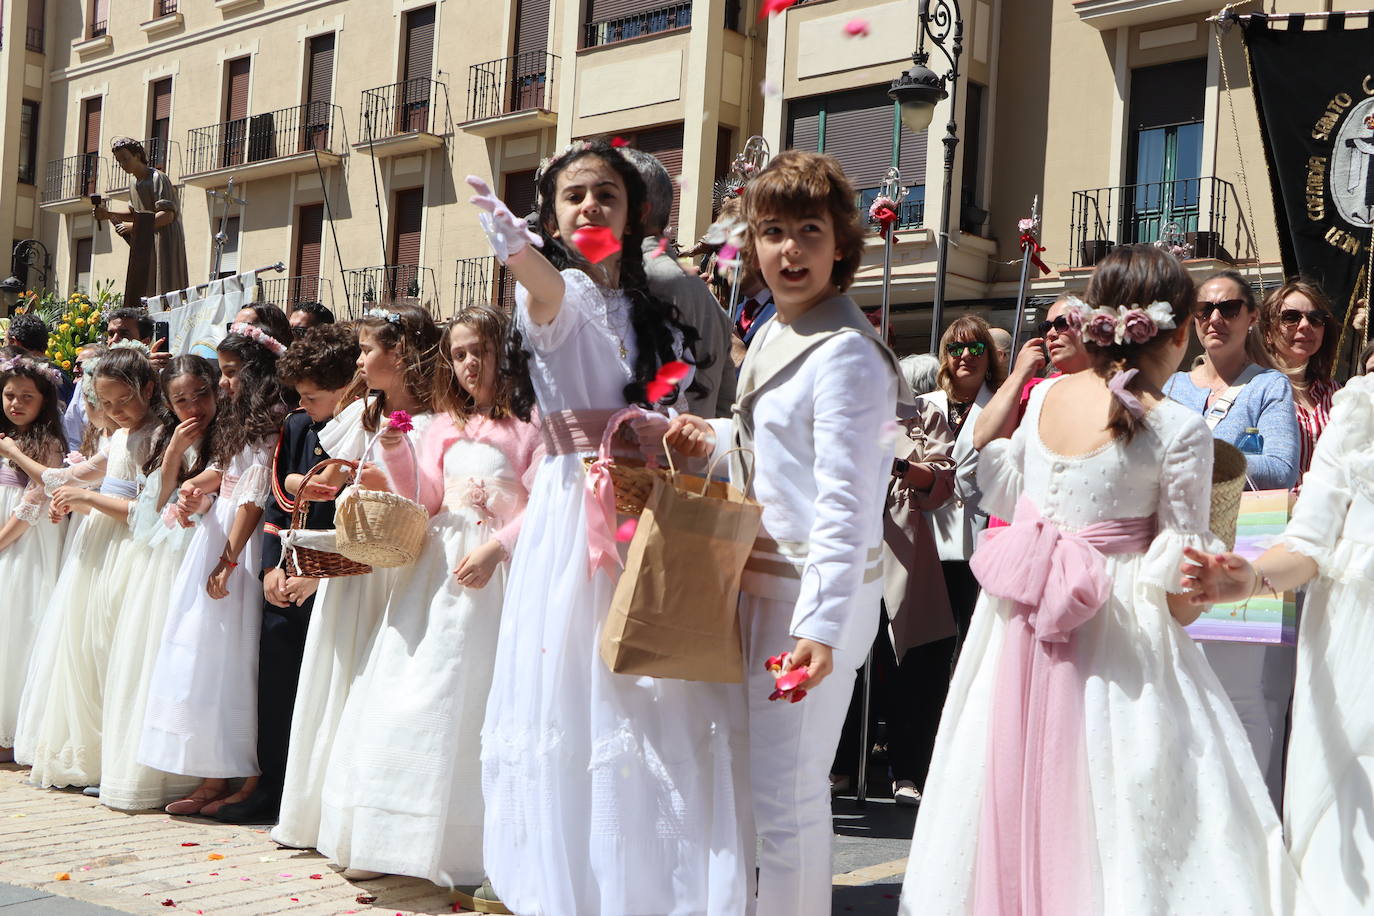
(1094, 250)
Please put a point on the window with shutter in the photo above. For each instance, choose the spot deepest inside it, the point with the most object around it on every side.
(160, 123)
(90, 143)
(235, 131)
(319, 91)
(100, 18)
(519, 192)
(408, 218)
(28, 141)
(82, 252)
(309, 245)
(419, 44)
(37, 14)
(665, 145)
(804, 125)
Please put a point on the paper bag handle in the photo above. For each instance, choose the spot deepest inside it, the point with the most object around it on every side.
(710, 469)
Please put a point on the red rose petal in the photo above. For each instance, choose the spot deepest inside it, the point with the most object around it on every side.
(856, 28)
(673, 372)
(597, 243)
(618, 142)
(662, 247)
(190, 844)
(626, 531)
(773, 7)
(656, 391)
(793, 679)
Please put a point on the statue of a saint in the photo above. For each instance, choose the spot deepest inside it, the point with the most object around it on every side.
(157, 255)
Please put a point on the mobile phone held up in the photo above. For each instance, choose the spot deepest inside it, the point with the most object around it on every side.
(162, 331)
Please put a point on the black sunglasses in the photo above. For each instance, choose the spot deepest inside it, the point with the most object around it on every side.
(956, 349)
(1229, 309)
(1060, 324)
(1316, 318)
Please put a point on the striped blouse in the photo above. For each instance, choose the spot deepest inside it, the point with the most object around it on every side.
(1312, 420)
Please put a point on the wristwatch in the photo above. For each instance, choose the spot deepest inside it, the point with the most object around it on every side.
(900, 466)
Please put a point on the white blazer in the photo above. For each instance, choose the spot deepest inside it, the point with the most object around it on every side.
(956, 524)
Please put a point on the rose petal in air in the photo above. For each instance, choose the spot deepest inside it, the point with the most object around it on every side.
(619, 142)
(773, 7)
(597, 243)
(656, 391)
(662, 247)
(856, 28)
(770, 89)
(626, 531)
(673, 372)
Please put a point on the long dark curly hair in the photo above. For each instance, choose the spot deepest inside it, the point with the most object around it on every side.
(654, 321)
(167, 420)
(43, 439)
(258, 409)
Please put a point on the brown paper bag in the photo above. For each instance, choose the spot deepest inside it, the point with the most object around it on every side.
(675, 612)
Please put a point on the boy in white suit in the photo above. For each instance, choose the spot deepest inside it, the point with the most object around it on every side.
(817, 393)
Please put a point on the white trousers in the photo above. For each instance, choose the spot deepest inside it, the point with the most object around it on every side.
(1259, 681)
(791, 747)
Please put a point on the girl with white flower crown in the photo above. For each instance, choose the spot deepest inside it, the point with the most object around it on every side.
(61, 710)
(201, 715)
(1088, 760)
(30, 543)
(398, 348)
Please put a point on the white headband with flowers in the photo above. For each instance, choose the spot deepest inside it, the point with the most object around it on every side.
(51, 373)
(383, 315)
(258, 336)
(130, 343)
(1121, 325)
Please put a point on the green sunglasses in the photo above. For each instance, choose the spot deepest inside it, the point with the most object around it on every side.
(957, 348)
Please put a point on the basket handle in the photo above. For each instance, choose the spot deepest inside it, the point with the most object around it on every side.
(710, 468)
(414, 459)
(613, 424)
(302, 504)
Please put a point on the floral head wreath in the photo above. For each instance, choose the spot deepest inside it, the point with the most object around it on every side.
(129, 343)
(51, 373)
(1122, 325)
(383, 315)
(258, 336)
(577, 146)
(88, 368)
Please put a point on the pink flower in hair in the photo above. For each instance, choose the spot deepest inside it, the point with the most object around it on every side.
(1101, 328)
(1137, 327)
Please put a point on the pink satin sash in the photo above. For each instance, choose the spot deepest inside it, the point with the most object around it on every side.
(11, 476)
(1036, 856)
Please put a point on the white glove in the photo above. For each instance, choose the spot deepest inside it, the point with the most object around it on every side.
(507, 233)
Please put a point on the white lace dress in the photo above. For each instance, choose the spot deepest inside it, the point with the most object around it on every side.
(345, 618)
(202, 713)
(61, 712)
(605, 793)
(28, 569)
(1171, 811)
(1328, 797)
(408, 800)
(157, 550)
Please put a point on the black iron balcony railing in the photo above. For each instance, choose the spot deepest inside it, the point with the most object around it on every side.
(370, 287)
(72, 177)
(259, 137)
(33, 38)
(1205, 210)
(911, 212)
(518, 83)
(410, 106)
(483, 281)
(99, 27)
(287, 292)
(167, 7)
(663, 19)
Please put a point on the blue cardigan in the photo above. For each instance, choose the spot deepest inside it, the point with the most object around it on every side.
(1266, 403)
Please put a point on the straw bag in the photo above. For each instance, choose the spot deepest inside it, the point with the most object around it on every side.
(1228, 482)
(632, 478)
(308, 562)
(379, 528)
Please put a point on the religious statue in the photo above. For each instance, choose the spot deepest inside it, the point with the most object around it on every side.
(157, 245)
(1362, 168)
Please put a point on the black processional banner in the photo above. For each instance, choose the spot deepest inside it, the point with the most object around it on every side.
(1314, 88)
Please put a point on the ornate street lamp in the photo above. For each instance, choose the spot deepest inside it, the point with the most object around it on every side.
(917, 91)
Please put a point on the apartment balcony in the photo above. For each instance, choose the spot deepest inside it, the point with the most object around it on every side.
(68, 183)
(1204, 211)
(370, 287)
(167, 17)
(483, 281)
(287, 141)
(911, 212)
(163, 155)
(287, 292)
(512, 94)
(663, 19)
(406, 117)
(1111, 14)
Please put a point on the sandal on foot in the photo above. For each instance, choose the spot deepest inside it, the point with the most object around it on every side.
(192, 804)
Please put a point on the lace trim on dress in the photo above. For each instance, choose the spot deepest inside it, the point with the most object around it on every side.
(1163, 562)
(30, 513)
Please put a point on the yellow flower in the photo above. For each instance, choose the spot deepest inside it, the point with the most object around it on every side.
(95, 316)
(80, 322)
(63, 328)
(85, 307)
(66, 364)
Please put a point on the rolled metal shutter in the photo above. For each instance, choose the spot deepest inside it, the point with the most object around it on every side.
(309, 244)
(419, 39)
(858, 132)
(804, 125)
(319, 91)
(665, 145)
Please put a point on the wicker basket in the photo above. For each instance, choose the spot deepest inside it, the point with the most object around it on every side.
(1228, 482)
(306, 562)
(379, 528)
(632, 477)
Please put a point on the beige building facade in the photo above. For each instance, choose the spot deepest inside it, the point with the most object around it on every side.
(348, 126)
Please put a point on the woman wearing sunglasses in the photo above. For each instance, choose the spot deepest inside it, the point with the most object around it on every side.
(1293, 325)
(1234, 393)
(969, 374)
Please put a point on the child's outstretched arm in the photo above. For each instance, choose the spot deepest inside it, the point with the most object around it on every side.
(511, 240)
